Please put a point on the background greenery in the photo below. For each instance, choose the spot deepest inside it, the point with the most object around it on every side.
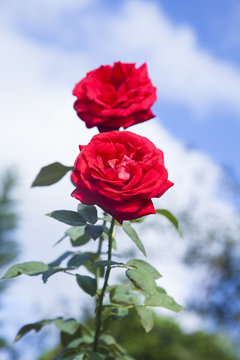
(8, 246)
(167, 341)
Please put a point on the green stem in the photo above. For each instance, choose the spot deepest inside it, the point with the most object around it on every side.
(99, 252)
(101, 296)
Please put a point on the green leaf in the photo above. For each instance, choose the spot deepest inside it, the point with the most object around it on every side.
(110, 341)
(34, 326)
(121, 289)
(27, 268)
(69, 326)
(87, 284)
(51, 174)
(66, 338)
(124, 299)
(145, 316)
(68, 217)
(94, 231)
(119, 313)
(107, 339)
(67, 354)
(142, 280)
(77, 235)
(161, 290)
(78, 260)
(60, 240)
(93, 257)
(115, 312)
(87, 330)
(88, 212)
(120, 294)
(129, 230)
(60, 259)
(162, 300)
(93, 355)
(139, 220)
(82, 340)
(171, 218)
(106, 263)
(47, 274)
(143, 265)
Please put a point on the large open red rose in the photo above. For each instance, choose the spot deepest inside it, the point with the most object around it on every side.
(120, 172)
(115, 96)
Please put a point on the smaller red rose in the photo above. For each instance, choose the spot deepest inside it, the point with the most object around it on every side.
(120, 172)
(115, 96)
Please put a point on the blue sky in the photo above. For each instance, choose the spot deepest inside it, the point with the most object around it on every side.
(217, 25)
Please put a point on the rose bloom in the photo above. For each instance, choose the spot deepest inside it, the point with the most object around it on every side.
(120, 172)
(115, 96)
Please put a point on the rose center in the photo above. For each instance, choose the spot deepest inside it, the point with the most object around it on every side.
(122, 167)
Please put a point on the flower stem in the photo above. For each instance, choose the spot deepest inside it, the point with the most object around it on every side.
(99, 252)
(101, 296)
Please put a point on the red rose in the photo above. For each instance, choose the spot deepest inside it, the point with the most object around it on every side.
(115, 96)
(120, 172)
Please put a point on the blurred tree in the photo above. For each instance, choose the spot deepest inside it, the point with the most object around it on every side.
(167, 341)
(218, 300)
(213, 248)
(8, 246)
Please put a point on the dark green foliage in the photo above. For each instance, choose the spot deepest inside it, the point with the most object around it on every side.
(167, 341)
(68, 326)
(29, 327)
(79, 259)
(94, 231)
(47, 274)
(51, 174)
(106, 263)
(8, 247)
(8, 221)
(87, 284)
(88, 212)
(218, 300)
(68, 217)
(58, 261)
(49, 355)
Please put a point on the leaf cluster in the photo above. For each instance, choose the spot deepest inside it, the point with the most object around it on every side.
(140, 294)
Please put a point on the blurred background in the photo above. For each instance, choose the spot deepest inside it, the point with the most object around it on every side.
(192, 50)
